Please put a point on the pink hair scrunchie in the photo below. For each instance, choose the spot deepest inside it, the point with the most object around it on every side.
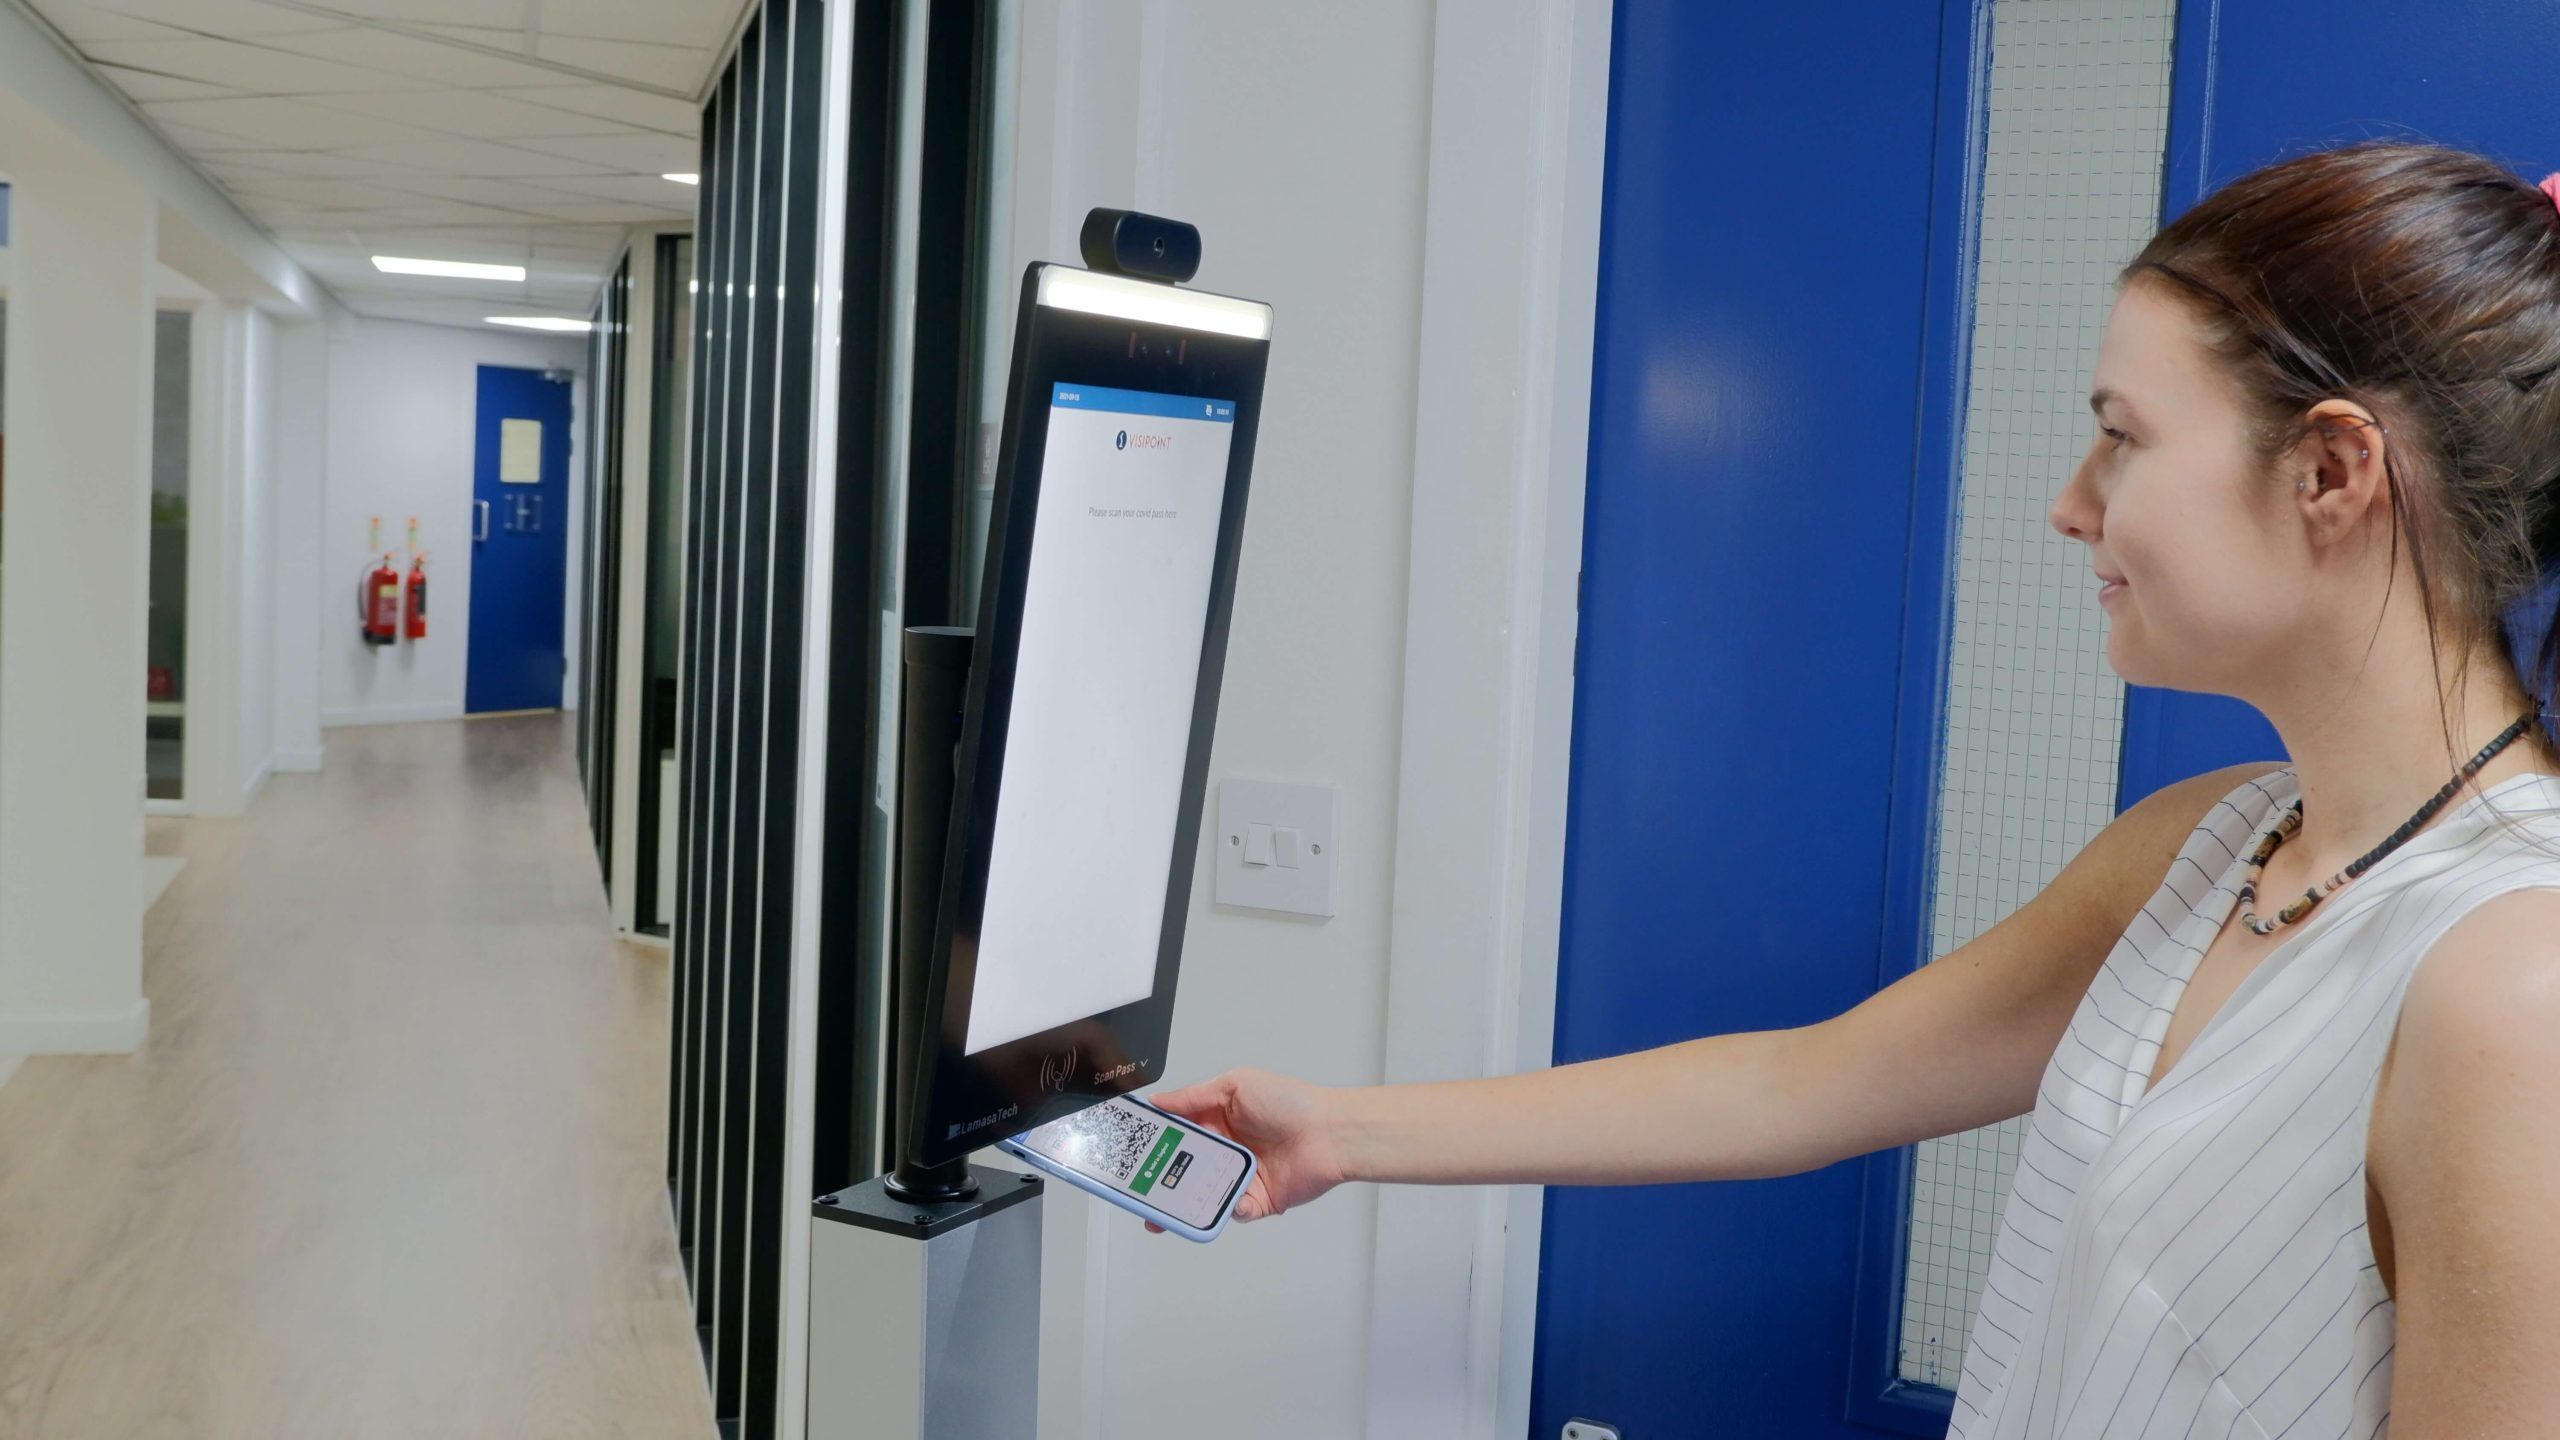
(2551, 187)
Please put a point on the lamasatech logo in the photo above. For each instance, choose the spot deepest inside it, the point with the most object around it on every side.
(1122, 442)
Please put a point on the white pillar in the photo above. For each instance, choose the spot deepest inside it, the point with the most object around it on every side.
(301, 503)
(71, 623)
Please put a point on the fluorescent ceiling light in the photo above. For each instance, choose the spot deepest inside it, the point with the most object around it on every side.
(1153, 304)
(453, 269)
(543, 322)
(682, 179)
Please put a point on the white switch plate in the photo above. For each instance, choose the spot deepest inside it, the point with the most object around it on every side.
(1253, 845)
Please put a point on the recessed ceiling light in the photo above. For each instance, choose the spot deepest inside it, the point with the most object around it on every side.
(543, 322)
(452, 269)
(682, 179)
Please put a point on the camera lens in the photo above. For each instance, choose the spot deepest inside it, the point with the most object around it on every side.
(1159, 247)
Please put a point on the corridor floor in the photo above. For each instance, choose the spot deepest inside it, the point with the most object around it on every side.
(390, 1163)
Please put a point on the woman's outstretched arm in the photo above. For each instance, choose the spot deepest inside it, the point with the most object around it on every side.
(1958, 1043)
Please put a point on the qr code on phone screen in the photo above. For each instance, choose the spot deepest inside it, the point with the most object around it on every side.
(1114, 1141)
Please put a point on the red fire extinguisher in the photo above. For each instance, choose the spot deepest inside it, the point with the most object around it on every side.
(418, 596)
(378, 604)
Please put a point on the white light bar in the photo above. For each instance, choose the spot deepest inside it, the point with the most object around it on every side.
(543, 322)
(682, 179)
(1152, 304)
(450, 269)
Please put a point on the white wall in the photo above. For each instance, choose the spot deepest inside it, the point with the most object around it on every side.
(401, 406)
(71, 631)
(1403, 628)
(104, 216)
(1264, 125)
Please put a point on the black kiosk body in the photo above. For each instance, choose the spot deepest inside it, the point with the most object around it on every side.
(1052, 774)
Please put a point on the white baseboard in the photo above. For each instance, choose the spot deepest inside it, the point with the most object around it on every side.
(390, 714)
(298, 761)
(257, 782)
(112, 1033)
(9, 1066)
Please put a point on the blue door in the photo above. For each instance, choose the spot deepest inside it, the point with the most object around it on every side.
(1785, 211)
(2255, 84)
(519, 542)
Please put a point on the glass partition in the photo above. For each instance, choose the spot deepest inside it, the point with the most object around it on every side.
(671, 397)
(165, 636)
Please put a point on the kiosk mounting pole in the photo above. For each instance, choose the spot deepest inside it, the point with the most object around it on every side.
(924, 1283)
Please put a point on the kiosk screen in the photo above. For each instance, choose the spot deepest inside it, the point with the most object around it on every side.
(1115, 604)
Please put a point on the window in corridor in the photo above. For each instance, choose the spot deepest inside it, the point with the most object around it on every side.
(165, 640)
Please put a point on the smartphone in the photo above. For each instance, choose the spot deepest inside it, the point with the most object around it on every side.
(1156, 1166)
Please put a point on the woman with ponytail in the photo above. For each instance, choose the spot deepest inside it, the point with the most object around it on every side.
(2287, 1035)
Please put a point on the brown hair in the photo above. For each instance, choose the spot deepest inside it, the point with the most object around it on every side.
(2424, 284)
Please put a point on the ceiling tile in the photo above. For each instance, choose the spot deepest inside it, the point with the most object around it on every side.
(476, 157)
(689, 25)
(306, 193)
(630, 154)
(437, 14)
(631, 107)
(453, 134)
(676, 68)
(638, 189)
(281, 123)
(147, 85)
(481, 189)
(203, 143)
(82, 23)
(235, 19)
(473, 113)
(253, 69)
(323, 163)
(418, 59)
(604, 212)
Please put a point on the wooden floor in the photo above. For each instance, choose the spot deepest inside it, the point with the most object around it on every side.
(390, 1162)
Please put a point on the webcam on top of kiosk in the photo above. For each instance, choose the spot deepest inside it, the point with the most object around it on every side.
(1143, 247)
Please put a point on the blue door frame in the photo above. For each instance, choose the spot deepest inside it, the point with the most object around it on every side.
(1786, 265)
(519, 549)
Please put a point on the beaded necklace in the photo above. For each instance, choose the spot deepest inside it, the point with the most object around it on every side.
(2291, 821)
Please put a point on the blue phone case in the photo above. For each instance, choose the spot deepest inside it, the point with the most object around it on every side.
(1132, 1203)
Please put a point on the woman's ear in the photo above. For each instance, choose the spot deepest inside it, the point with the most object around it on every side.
(2338, 469)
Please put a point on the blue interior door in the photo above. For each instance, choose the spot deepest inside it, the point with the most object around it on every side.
(519, 542)
(2255, 84)
(1769, 475)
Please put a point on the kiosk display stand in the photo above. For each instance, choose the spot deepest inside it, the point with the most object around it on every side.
(924, 1283)
(1052, 764)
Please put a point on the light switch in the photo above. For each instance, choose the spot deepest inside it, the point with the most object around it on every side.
(1275, 846)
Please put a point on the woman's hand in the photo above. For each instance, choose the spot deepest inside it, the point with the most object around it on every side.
(1286, 1123)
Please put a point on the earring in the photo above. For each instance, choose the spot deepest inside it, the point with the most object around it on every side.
(2364, 454)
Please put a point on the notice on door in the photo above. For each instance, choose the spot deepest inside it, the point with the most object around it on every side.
(520, 452)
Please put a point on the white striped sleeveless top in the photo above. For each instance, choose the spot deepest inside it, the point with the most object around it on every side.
(2193, 1262)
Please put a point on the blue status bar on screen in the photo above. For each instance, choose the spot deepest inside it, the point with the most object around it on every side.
(1140, 402)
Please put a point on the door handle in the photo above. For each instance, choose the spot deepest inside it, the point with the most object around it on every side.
(537, 513)
(480, 521)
